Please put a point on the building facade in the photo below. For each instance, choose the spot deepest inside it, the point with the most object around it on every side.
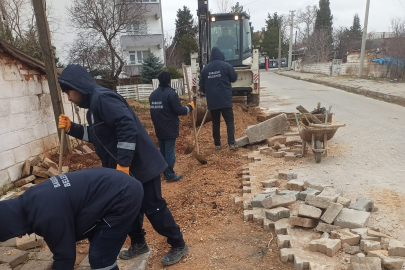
(142, 37)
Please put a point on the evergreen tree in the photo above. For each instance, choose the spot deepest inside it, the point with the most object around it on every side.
(188, 44)
(270, 39)
(151, 68)
(324, 17)
(356, 27)
(237, 8)
(185, 24)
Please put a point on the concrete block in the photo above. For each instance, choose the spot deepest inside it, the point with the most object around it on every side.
(378, 253)
(37, 147)
(47, 163)
(332, 193)
(40, 131)
(376, 234)
(267, 152)
(270, 191)
(352, 250)
(37, 265)
(277, 213)
(242, 141)
(346, 236)
(24, 181)
(385, 243)
(360, 231)
(299, 264)
(280, 139)
(287, 175)
(27, 186)
(29, 241)
(396, 248)
(352, 219)
(365, 263)
(268, 224)
(325, 235)
(263, 149)
(245, 157)
(9, 243)
(246, 190)
(323, 227)
(362, 204)
(320, 202)
(247, 177)
(269, 128)
(287, 150)
(14, 172)
(40, 172)
(286, 192)
(39, 180)
(270, 183)
(295, 185)
(22, 153)
(393, 263)
(9, 141)
(139, 263)
(279, 200)
(290, 157)
(13, 257)
(36, 160)
(308, 211)
(26, 170)
(246, 183)
(6, 160)
(278, 154)
(248, 214)
(287, 254)
(326, 246)
(368, 245)
(344, 201)
(331, 213)
(282, 226)
(44, 256)
(284, 241)
(258, 218)
(309, 191)
(302, 222)
(315, 185)
(258, 199)
(360, 255)
(8, 196)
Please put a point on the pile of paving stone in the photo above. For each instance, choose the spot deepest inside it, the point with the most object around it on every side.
(35, 170)
(341, 224)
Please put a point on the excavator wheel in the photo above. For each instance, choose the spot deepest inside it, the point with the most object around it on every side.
(253, 100)
(201, 109)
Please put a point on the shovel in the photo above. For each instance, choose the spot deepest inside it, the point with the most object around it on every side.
(62, 144)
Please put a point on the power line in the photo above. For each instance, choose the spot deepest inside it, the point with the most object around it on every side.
(401, 5)
(250, 3)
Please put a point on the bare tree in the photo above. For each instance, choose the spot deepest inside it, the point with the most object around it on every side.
(224, 6)
(318, 47)
(306, 19)
(106, 19)
(345, 41)
(398, 26)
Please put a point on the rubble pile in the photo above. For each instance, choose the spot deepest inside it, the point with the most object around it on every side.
(314, 222)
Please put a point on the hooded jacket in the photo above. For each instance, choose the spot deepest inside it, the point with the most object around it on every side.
(114, 129)
(65, 208)
(165, 107)
(216, 79)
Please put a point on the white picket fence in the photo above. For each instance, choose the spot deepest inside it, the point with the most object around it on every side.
(141, 92)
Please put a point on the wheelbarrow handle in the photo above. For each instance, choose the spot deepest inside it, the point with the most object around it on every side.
(296, 120)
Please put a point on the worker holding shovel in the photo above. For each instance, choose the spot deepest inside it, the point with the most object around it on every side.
(122, 142)
(165, 107)
(99, 204)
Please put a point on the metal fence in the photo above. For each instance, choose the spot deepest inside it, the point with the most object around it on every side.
(141, 92)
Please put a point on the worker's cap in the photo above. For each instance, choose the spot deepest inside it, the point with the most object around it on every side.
(164, 79)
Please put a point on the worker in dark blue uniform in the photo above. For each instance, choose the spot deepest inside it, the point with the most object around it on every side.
(215, 82)
(122, 142)
(99, 204)
(165, 107)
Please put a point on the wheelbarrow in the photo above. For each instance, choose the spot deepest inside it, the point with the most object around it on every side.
(317, 135)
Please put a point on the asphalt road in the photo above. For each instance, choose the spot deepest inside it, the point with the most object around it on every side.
(367, 156)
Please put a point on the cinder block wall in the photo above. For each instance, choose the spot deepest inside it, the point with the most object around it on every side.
(27, 125)
(320, 68)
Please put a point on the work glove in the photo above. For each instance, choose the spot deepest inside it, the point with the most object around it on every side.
(123, 169)
(192, 105)
(64, 122)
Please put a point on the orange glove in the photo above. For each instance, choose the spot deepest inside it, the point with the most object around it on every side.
(123, 169)
(192, 104)
(64, 122)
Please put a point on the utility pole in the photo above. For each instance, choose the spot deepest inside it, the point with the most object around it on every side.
(363, 43)
(279, 44)
(50, 67)
(291, 39)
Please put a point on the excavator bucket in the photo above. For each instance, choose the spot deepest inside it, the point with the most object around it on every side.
(201, 108)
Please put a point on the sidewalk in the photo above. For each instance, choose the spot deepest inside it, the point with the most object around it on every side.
(386, 91)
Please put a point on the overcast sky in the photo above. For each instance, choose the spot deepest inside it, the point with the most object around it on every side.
(342, 10)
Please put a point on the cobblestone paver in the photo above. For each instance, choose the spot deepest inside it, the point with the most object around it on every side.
(367, 154)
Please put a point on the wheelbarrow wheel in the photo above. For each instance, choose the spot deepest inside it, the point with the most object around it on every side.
(318, 155)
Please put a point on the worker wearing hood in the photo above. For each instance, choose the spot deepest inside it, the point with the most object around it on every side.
(99, 204)
(165, 108)
(122, 142)
(215, 82)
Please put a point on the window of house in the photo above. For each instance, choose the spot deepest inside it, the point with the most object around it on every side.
(138, 28)
(137, 57)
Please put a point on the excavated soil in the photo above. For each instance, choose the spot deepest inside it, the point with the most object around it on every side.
(203, 202)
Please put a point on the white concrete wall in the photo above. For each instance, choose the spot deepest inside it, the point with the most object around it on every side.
(154, 26)
(27, 126)
(321, 68)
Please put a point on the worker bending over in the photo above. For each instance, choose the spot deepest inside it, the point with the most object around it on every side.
(165, 107)
(99, 204)
(122, 142)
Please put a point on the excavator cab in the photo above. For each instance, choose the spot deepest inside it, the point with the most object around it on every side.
(231, 33)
